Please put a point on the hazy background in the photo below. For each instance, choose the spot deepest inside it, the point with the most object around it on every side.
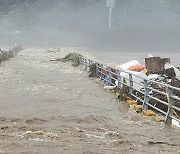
(137, 25)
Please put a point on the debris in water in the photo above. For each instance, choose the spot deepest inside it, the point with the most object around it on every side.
(160, 142)
(34, 133)
(73, 57)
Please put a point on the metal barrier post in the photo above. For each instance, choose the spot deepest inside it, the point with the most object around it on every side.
(118, 79)
(79, 59)
(101, 71)
(168, 119)
(89, 62)
(146, 97)
(97, 70)
(109, 75)
(131, 84)
(85, 61)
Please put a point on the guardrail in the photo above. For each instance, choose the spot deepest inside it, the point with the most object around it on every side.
(146, 94)
(5, 55)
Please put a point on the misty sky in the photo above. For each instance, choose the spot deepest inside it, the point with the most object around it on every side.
(137, 25)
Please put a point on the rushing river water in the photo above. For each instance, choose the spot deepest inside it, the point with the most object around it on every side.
(118, 57)
(48, 107)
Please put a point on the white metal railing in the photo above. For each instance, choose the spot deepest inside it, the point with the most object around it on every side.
(148, 93)
(5, 55)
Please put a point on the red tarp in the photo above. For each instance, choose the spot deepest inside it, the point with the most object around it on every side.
(136, 68)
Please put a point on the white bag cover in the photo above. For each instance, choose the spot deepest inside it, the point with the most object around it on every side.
(125, 66)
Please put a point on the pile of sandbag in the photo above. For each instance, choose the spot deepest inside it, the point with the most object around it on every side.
(156, 69)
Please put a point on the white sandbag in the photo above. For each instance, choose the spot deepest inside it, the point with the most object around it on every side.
(125, 66)
(175, 123)
(124, 77)
(109, 87)
(150, 56)
(153, 76)
(137, 77)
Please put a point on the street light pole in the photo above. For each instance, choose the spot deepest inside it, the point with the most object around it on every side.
(110, 17)
(110, 4)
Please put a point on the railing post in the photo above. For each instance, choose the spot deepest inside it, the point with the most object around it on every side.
(79, 60)
(131, 84)
(85, 60)
(97, 70)
(89, 62)
(109, 75)
(168, 119)
(101, 65)
(146, 97)
(119, 79)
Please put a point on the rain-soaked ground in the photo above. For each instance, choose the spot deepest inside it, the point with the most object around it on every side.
(48, 107)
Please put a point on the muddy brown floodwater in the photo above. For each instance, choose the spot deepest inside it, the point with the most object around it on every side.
(48, 107)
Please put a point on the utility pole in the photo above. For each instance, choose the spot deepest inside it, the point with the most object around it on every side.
(18, 37)
(110, 4)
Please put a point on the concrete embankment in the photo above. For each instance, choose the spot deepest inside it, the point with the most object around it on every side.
(5, 55)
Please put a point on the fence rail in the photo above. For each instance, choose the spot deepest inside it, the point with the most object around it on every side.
(5, 55)
(148, 93)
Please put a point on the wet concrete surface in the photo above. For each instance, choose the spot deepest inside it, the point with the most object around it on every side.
(48, 107)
